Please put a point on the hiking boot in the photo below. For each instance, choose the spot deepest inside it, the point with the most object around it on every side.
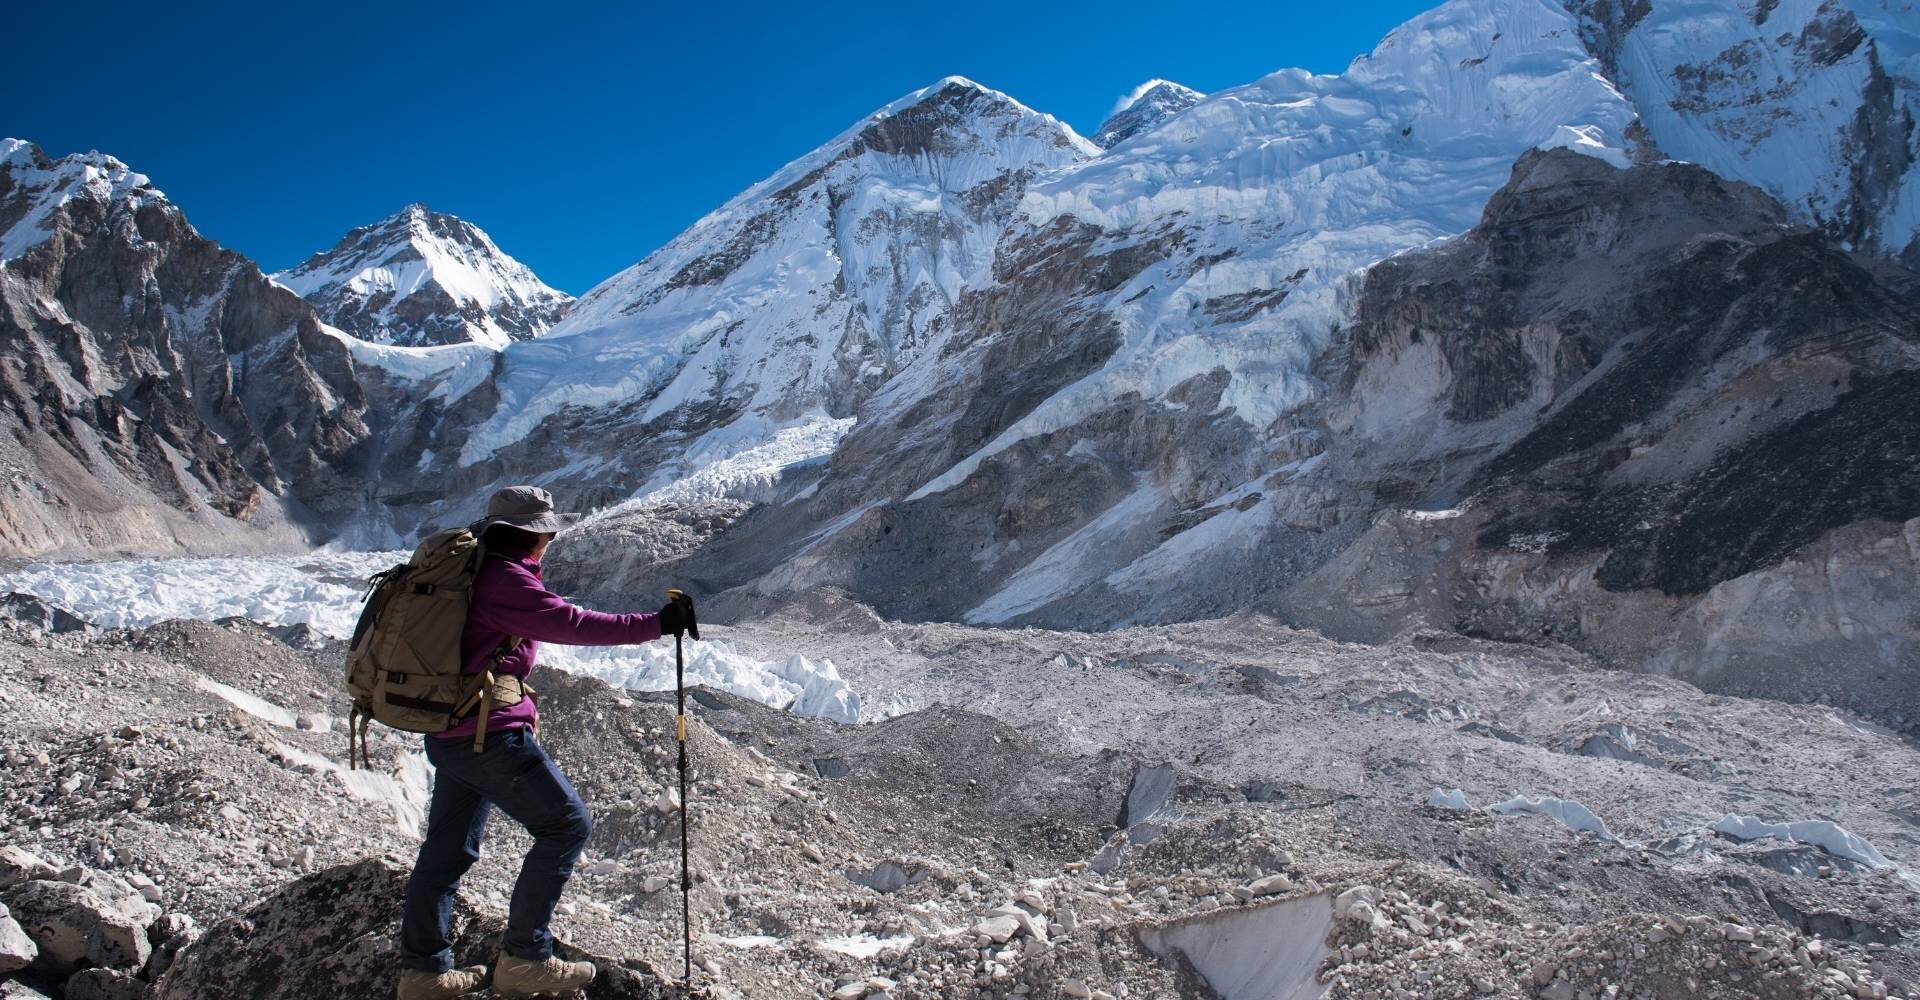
(524, 977)
(418, 985)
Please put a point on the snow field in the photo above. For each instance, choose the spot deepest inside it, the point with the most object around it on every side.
(323, 590)
(739, 462)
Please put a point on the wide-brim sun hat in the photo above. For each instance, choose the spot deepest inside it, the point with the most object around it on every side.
(528, 508)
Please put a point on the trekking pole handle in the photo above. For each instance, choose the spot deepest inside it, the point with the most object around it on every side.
(680, 597)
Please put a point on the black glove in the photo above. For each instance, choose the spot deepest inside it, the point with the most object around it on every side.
(676, 616)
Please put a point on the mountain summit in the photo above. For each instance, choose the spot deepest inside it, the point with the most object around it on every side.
(420, 277)
(1150, 104)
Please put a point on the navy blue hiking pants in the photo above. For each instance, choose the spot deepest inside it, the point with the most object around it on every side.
(514, 773)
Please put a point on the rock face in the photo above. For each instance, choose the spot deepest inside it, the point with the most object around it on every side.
(421, 277)
(1667, 458)
(332, 934)
(1155, 102)
(158, 391)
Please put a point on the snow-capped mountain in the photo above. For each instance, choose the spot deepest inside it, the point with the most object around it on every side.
(1169, 299)
(1150, 104)
(158, 390)
(420, 277)
(1144, 390)
(794, 301)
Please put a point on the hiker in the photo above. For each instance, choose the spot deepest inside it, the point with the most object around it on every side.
(510, 610)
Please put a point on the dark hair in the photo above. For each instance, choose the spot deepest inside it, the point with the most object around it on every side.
(507, 537)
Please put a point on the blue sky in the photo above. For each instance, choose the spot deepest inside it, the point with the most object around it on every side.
(580, 136)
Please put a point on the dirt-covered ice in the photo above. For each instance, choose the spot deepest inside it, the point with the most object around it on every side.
(1227, 808)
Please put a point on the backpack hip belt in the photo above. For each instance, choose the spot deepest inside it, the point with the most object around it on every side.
(489, 693)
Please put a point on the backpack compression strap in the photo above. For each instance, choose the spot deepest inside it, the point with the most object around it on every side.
(357, 722)
(483, 693)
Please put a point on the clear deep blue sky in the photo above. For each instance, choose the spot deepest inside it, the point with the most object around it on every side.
(581, 137)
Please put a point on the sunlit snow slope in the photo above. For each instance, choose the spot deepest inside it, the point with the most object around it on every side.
(1813, 101)
(807, 291)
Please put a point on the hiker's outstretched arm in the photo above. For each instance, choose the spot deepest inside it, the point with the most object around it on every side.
(514, 602)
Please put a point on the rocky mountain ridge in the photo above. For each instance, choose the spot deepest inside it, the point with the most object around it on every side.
(158, 390)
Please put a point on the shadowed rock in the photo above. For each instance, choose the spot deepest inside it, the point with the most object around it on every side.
(332, 934)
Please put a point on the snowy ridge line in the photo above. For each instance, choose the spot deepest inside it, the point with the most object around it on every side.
(461, 368)
(323, 590)
(92, 174)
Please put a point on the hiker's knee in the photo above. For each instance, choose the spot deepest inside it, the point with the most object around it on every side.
(579, 824)
(570, 830)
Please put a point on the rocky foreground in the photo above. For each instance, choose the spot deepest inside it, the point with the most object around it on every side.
(1231, 809)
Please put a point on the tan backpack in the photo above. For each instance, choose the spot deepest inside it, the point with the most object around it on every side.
(404, 666)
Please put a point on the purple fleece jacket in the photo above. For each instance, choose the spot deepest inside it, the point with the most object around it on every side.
(509, 599)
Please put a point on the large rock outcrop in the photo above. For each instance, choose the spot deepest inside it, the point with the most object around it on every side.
(332, 934)
(1638, 412)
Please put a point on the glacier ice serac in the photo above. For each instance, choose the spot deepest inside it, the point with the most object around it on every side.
(323, 589)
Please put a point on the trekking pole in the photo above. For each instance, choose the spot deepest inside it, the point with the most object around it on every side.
(680, 729)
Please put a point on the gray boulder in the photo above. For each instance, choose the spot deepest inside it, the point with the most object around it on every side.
(104, 984)
(169, 935)
(17, 865)
(31, 610)
(17, 950)
(74, 928)
(332, 934)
